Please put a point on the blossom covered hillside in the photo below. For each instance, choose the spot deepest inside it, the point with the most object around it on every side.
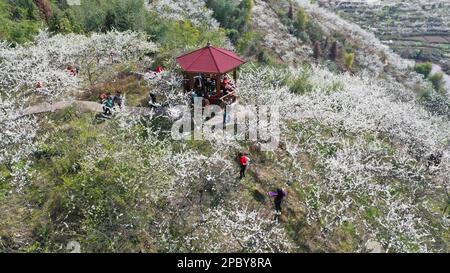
(363, 141)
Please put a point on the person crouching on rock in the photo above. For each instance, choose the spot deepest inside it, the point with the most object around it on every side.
(108, 104)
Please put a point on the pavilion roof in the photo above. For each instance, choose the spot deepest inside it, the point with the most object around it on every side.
(209, 59)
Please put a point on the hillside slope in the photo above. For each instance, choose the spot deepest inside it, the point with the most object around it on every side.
(363, 161)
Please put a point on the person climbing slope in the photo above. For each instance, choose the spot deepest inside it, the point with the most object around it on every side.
(279, 195)
(152, 100)
(243, 162)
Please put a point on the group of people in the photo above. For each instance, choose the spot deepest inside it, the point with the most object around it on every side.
(435, 159)
(109, 101)
(72, 70)
(227, 86)
(205, 86)
(278, 195)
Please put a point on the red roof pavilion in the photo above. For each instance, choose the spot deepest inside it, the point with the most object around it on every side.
(210, 60)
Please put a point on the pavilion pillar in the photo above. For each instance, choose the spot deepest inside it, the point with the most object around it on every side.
(218, 84)
(235, 75)
(191, 81)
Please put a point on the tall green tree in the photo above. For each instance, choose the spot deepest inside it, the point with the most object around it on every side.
(235, 18)
(19, 20)
(349, 59)
(302, 20)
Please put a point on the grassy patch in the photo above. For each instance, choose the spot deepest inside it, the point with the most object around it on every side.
(131, 86)
(301, 84)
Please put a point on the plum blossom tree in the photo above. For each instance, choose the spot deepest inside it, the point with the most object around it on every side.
(378, 148)
(40, 67)
(194, 11)
(38, 71)
(25, 70)
(16, 142)
(167, 85)
(17, 133)
(231, 229)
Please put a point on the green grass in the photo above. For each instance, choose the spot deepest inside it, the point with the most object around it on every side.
(302, 84)
(86, 197)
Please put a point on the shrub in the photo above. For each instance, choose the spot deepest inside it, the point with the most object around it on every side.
(301, 84)
(424, 69)
(250, 40)
(302, 20)
(437, 81)
(236, 18)
(107, 15)
(315, 32)
(349, 58)
(44, 8)
(60, 24)
(436, 103)
(264, 57)
(304, 37)
(317, 50)
(335, 51)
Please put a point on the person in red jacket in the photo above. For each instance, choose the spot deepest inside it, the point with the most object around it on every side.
(243, 162)
(159, 69)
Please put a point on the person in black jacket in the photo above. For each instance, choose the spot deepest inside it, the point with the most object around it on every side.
(279, 196)
(118, 99)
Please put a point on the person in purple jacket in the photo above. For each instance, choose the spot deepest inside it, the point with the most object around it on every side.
(279, 196)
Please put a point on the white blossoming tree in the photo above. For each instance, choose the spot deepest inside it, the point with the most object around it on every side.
(40, 67)
(16, 142)
(195, 11)
(37, 71)
(230, 229)
(371, 149)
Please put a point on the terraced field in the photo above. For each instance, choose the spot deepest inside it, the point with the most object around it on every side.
(415, 29)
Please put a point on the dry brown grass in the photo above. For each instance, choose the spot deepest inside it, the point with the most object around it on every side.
(132, 87)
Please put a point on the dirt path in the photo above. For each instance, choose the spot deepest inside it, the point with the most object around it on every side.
(143, 111)
(85, 106)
